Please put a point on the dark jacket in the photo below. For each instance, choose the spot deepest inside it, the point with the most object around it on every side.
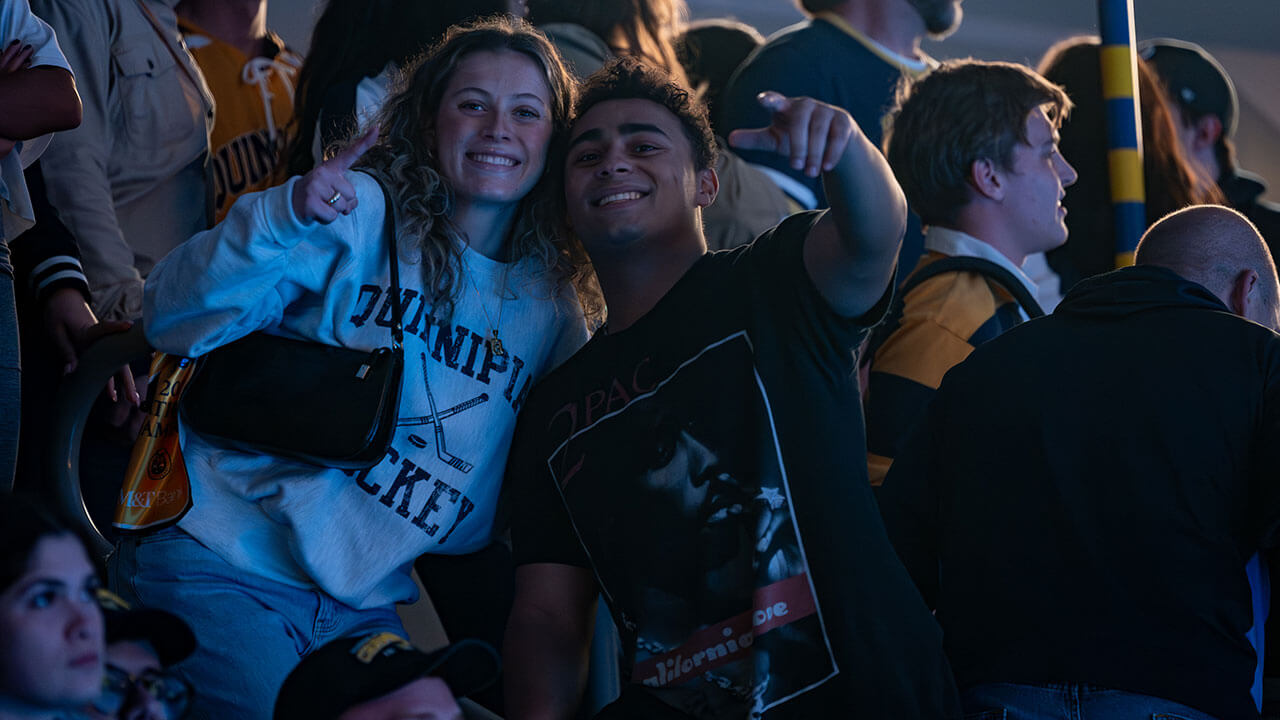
(1244, 193)
(46, 258)
(1083, 496)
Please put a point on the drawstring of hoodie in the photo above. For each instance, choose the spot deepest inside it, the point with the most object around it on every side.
(258, 72)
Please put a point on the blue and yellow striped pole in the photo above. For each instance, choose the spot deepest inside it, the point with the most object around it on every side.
(1124, 129)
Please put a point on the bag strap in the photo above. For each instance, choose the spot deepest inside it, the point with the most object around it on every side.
(202, 88)
(390, 228)
(985, 268)
(155, 25)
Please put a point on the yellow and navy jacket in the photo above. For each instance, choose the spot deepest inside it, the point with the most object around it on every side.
(944, 312)
(254, 109)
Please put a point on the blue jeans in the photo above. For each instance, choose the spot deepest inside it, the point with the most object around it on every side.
(250, 631)
(1068, 701)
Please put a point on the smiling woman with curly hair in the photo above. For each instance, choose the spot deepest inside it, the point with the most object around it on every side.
(532, 229)
(493, 297)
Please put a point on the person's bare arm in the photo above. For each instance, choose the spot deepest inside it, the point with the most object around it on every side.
(548, 641)
(851, 252)
(37, 100)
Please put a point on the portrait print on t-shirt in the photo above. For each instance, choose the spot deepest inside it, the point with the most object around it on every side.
(694, 542)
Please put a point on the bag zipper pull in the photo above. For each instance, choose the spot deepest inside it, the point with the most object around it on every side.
(367, 365)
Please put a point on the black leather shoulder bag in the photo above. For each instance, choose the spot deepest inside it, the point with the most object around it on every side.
(301, 400)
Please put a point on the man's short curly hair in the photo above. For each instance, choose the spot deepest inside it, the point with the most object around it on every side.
(627, 78)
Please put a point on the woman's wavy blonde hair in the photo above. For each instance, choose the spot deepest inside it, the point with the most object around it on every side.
(405, 158)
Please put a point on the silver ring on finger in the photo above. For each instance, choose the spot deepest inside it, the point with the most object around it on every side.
(334, 200)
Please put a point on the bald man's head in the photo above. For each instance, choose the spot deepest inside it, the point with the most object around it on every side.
(1220, 249)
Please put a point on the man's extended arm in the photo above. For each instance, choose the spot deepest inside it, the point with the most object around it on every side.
(36, 101)
(548, 640)
(37, 91)
(776, 68)
(850, 253)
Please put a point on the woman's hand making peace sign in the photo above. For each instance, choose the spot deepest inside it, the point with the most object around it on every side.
(324, 193)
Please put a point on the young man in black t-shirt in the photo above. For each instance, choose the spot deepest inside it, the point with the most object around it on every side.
(701, 463)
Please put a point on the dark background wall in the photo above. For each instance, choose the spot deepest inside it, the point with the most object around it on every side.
(1243, 34)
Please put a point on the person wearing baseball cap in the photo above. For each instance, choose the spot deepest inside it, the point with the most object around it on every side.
(381, 676)
(142, 644)
(1206, 110)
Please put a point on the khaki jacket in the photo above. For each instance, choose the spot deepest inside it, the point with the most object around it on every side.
(130, 181)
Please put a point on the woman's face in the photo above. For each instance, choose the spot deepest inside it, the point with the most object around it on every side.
(493, 128)
(51, 645)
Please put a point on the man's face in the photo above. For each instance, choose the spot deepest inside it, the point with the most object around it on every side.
(138, 671)
(426, 698)
(629, 175)
(1200, 153)
(941, 17)
(1036, 184)
(1186, 134)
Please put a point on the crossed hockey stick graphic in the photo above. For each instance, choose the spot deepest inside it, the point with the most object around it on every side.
(435, 420)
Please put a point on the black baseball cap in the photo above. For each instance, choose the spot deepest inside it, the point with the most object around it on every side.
(167, 633)
(354, 670)
(1194, 78)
